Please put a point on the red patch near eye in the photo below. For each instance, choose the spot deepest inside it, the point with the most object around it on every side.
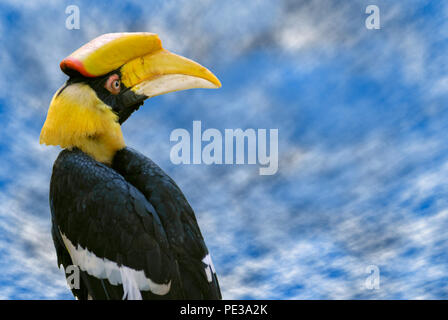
(71, 63)
(113, 84)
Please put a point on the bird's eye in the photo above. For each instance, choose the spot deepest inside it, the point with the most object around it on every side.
(113, 84)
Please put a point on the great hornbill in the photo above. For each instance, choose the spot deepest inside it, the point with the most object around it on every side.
(115, 214)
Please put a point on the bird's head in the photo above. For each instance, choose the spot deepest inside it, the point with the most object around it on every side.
(110, 77)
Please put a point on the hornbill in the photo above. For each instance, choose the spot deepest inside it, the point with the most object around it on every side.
(116, 215)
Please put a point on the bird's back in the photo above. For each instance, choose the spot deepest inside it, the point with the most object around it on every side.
(129, 228)
(178, 219)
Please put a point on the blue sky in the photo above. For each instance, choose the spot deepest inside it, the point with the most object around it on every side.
(361, 116)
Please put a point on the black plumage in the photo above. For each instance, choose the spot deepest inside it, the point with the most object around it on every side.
(131, 213)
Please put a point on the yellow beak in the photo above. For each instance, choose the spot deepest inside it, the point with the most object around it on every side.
(161, 72)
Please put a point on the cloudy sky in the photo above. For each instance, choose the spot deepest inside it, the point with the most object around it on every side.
(363, 158)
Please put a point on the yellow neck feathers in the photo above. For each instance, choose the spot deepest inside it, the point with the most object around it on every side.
(78, 118)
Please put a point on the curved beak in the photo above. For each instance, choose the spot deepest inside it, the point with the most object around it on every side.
(161, 72)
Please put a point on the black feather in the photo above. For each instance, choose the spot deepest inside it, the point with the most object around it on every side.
(133, 214)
